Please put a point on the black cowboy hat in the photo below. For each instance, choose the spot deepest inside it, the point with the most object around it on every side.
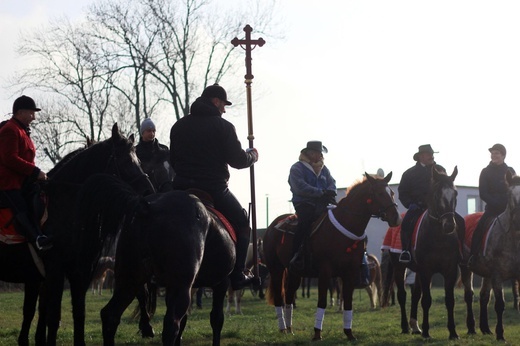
(315, 145)
(500, 148)
(425, 148)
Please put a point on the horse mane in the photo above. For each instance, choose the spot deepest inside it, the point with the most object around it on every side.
(515, 180)
(66, 159)
(360, 184)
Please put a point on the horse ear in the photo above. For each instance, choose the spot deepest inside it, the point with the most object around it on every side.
(132, 138)
(115, 131)
(369, 178)
(454, 174)
(388, 177)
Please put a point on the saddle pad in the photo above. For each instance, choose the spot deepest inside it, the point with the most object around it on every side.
(416, 229)
(471, 222)
(225, 222)
(287, 224)
(8, 233)
(392, 240)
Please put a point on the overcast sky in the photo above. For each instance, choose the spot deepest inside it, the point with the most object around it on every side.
(372, 79)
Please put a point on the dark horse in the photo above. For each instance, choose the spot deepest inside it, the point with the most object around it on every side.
(169, 236)
(75, 252)
(500, 261)
(23, 265)
(336, 247)
(436, 250)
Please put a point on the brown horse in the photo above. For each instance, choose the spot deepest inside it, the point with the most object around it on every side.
(500, 261)
(335, 249)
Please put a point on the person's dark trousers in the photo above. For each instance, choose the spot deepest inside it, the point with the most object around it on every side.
(306, 216)
(407, 226)
(480, 229)
(25, 224)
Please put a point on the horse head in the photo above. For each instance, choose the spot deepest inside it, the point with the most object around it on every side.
(442, 199)
(381, 200)
(513, 203)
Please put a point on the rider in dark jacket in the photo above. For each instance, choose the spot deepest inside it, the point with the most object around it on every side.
(413, 192)
(492, 189)
(154, 157)
(202, 146)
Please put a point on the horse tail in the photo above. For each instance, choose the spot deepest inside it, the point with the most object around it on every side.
(269, 294)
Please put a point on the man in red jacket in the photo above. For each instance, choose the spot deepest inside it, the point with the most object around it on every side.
(18, 171)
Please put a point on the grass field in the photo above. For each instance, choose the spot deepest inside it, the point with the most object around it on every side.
(257, 325)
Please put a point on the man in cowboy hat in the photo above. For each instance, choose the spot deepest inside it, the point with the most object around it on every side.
(313, 188)
(19, 172)
(413, 191)
(492, 188)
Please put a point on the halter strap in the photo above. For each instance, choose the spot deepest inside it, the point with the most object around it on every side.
(343, 230)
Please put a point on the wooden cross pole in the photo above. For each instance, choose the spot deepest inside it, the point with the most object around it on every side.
(248, 45)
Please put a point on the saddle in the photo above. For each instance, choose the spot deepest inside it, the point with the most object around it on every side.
(206, 199)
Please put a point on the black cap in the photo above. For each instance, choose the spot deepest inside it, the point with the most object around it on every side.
(24, 102)
(217, 91)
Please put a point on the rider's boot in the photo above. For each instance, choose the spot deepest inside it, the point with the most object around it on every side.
(33, 234)
(240, 279)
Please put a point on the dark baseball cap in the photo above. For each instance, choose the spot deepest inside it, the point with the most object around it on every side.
(24, 102)
(217, 91)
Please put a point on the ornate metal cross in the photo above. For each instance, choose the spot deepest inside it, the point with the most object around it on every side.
(248, 45)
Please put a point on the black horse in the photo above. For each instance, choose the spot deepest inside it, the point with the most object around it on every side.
(437, 250)
(23, 265)
(171, 236)
(76, 251)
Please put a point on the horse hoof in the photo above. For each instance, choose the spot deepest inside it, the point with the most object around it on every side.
(348, 333)
(454, 337)
(317, 335)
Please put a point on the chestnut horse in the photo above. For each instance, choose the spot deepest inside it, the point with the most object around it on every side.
(500, 260)
(336, 247)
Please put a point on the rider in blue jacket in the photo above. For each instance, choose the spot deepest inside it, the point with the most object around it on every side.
(313, 188)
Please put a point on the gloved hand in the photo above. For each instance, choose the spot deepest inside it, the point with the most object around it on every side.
(254, 152)
(329, 193)
(329, 197)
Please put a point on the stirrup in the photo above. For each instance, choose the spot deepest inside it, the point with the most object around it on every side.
(405, 257)
(43, 243)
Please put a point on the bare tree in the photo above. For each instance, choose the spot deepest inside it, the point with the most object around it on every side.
(130, 60)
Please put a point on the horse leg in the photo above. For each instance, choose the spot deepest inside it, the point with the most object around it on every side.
(275, 290)
(111, 314)
(514, 287)
(177, 304)
(30, 299)
(217, 310)
(450, 279)
(230, 300)
(484, 296)
(323, 286)
(414, 307)
(499, 308)
(54, 292)
(426, 301)
(292, 283)
(145, 328)
(399, 272)
(78, 292)
(41, 327)
(347, 292)
(467, 281)
(371, 294)
(238, 300)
